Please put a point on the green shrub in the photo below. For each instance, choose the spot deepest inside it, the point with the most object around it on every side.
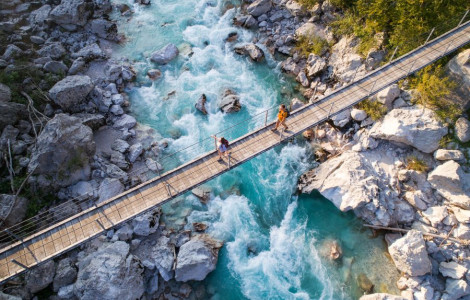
(307, 44)
(433, 89)
(374, 109)
(414, 163)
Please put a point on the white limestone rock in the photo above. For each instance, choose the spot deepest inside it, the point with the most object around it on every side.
(417, 199)
(458, 69)
(358, 115)
(452, 269)
(388, 95)
(409, 254)
(449, 179)
(315, 65)
(462, 215)
(382, 296)
(435, 214)
(345, 61)
(414, 126)
(110, 273)
(197, 258)
(462, 129)
(455, 289)
(444, 154)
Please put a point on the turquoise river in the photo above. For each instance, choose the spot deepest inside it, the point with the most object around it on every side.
(274, 240)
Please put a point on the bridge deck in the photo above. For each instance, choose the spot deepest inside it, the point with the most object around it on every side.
(71, 232)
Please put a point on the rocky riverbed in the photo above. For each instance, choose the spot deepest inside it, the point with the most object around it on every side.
(83, 141)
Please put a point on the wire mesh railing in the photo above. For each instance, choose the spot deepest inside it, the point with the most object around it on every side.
(68, 209)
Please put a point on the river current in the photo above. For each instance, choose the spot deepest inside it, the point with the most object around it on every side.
(275, 242)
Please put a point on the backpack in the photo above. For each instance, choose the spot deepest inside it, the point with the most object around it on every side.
(287, 112)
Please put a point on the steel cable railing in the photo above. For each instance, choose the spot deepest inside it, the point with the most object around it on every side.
(29, 226)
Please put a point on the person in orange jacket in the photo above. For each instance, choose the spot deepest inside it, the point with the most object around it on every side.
(281, 117)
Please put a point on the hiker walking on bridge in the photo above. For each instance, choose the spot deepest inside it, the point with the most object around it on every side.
(222, 146)
(281, 117)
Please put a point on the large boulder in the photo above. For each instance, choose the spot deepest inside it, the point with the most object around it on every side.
(71, 91)
(163, 256)
(72, 12)
(458, 69)
(358, 181)
(66, 274)
(462, 129)
(63, 151)
(444, 154)
(345, 60)
(197, 258)
(39, 16)
(165, 55)
(414, 126)
(12, 209)
(315, 65)
(39, 278)
(251, 50)
(10, 113)
(387, 95)
(110, 273)
(147, 223)
(53, 50)
(259, 7)
(449, 181)
(230, 102)
(410, 255)
(109, 188)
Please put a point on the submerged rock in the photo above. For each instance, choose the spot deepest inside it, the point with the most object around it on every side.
(364, 283)
(165, 55)
(201, 104)
(253, 51)
(230, 102)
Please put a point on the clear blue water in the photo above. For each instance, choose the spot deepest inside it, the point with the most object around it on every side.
(276, 243)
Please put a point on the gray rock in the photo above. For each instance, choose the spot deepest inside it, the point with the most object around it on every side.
(302, 79)
(290, 66)
(163, 256)
(154, 74)
(147, 223)
(296, 9)
(71, 91)
(462, 215)
(119, 160)
(5, 93)
(109, 188)
(358, 115)
(414, 126)
(134, 152)
(417, 199)
(63, 151)
(342, 118)
(124, 233)
(77, 66)
(10, 113)
(104, 29)
(37, 40)
(52, 50)
(110, 273)
(117, 99)
(11, 52)
(120, 145)
(56, 67)
(202, 192)
(83, 189)
(197, 258)
(452, 269)
(259, 7)
(444, 154)
(201, 104)
(66, 274)
(462, 129)
(114, 171)
(66, 292)
(459, 70)
(90, 52)
(246, 21)
(12, 209)
(251, 50)
(40, 277)
(165, 55)
(409, 254)
(462, 232)
(124, 122)
(94, 121)
(455, 289)
(296, 103)
(315, 65)
(116, 110)
(39, 16)
(74, 12)
(435, 214)
(230, 102)
(152, 165)
(447, 179)
(388, 95)
(346, 62)
(374, 58)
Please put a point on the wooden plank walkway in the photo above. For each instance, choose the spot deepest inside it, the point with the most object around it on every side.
(65, 235)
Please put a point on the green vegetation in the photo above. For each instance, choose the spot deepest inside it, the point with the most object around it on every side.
(434, 88)
(312, 44)
(404, 23)
(414, 163)
(374, 109)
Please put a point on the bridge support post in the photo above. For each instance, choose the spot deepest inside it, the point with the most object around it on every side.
(373, 86)
(168, 189)
(19, 264)
(445, 51)
(393, 55)
(280, 135)
(229, 160)
(266, 119)
(412, 65)
(329, 111)
(354, 77)
(463, 18)
(215, 142)
(429, 36)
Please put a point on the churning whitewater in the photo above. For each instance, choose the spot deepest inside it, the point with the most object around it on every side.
(272, 238)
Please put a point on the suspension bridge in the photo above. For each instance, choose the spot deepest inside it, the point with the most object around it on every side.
(23, 248)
